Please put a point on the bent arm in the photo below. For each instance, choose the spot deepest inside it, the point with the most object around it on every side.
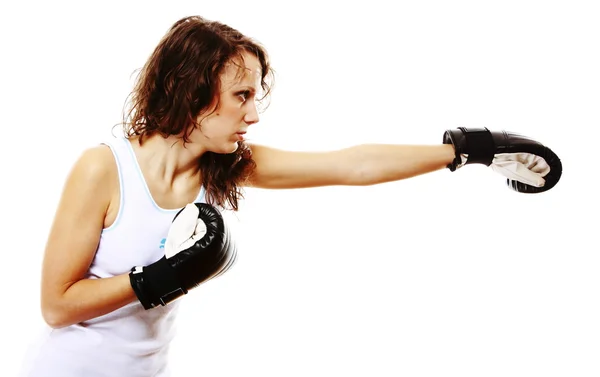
(89, 298)
(66, 296)
(359, 165)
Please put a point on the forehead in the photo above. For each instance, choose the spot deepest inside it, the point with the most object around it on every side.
(245, 71)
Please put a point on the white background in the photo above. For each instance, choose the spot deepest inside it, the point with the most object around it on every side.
(443, 274)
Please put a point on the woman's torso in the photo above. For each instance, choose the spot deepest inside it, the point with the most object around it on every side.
(129, 341)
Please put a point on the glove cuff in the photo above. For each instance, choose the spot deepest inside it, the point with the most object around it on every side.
(475, 143)
(156, 284)
(138, 283)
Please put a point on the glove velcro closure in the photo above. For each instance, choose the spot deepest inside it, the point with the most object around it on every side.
(476, 143)
(157, 284)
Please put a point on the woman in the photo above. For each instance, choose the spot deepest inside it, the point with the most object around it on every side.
(184, 143)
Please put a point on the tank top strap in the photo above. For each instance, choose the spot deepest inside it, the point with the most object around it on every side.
(131, 179)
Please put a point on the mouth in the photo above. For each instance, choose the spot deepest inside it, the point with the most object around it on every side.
(240, 135)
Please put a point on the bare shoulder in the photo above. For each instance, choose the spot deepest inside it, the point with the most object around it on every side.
(98, 159)
(95, 165)
(94, 175)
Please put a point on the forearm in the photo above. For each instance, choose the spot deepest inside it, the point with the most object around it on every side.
(89, 298)
(379, 163)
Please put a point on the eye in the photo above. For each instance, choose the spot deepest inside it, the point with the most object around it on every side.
(243, 95)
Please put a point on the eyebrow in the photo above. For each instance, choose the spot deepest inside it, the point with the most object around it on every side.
(246, 87)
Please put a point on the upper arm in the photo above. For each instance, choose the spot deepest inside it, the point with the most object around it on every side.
(78, 222)
(277, 168)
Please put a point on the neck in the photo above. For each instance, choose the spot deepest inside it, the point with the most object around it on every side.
(167, 159)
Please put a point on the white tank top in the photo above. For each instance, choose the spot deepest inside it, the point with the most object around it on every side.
(129, 341)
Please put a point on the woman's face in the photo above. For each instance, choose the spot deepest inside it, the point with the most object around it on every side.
(221, 128)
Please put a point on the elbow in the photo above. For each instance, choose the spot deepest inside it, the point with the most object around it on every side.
(358, 169)
(370, 165)
(54, 314)
(359, 177)
(53, 318)
(363, 173)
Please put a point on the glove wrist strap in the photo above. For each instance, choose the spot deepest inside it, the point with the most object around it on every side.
(157, 284)
(475, 143)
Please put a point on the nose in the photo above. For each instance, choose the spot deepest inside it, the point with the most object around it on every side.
(251, 116)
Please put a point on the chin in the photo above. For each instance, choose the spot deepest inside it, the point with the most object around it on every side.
(227, 149)
(234, 147)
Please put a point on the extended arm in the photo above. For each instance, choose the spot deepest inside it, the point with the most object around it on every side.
(530, 167)
(358, 165)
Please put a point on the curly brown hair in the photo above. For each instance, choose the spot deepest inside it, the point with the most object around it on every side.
(181, 79)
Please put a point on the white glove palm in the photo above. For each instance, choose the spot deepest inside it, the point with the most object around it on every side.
(186, 230)
(523, 167)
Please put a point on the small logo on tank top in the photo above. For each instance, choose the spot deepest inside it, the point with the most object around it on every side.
(162, 243)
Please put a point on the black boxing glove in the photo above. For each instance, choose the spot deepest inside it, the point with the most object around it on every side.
(198, 248)
(530, 167)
